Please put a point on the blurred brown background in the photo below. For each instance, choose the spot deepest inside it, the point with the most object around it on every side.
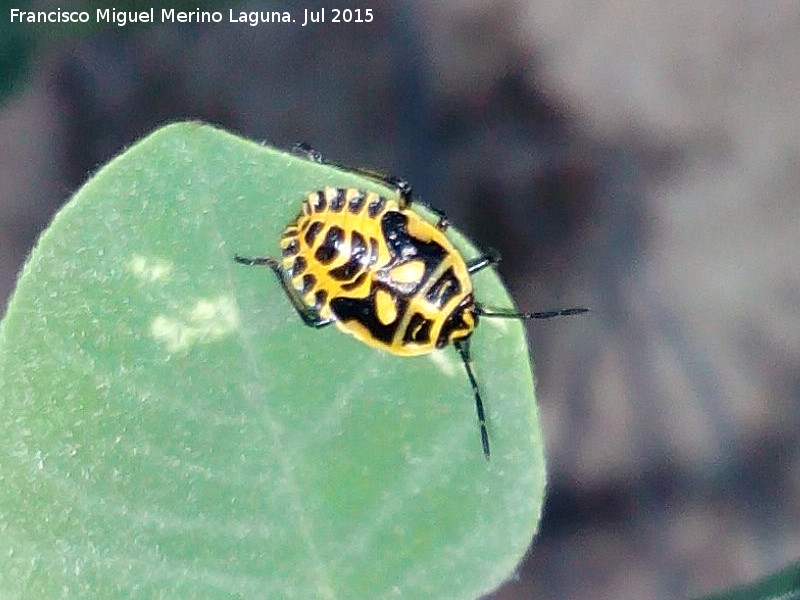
(642, 158)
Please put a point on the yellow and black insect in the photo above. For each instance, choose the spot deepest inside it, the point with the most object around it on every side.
(380, 272)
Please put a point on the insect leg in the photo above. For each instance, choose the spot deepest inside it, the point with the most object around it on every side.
(462, 346)
(490, 259)
(443, 223)
(401, 185)
(406, 197)
(310, 316)
(305, 150)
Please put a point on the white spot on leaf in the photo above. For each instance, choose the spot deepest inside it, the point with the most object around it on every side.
(446, 361)
(150, 270)
(207, 321)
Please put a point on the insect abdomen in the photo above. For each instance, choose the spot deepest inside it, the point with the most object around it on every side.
(331, 247)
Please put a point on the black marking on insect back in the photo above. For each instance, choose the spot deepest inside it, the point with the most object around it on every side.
(355, 283)
(364, 311)
(329, 249)
(455, 322)
(443, 290)
(309, 281)
(356, 203)
(403, 246)
(358, 250)
(318, 201)
(297, 267)
(347, 271)
(336, 202)
(418, 330)
(320, 298)
(292, 248)
(376, 206)
(313, 231)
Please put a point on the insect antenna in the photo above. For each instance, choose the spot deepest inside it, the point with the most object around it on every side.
(462, 346)
(545, 314)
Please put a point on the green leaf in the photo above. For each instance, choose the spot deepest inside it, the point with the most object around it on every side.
(172, 429)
